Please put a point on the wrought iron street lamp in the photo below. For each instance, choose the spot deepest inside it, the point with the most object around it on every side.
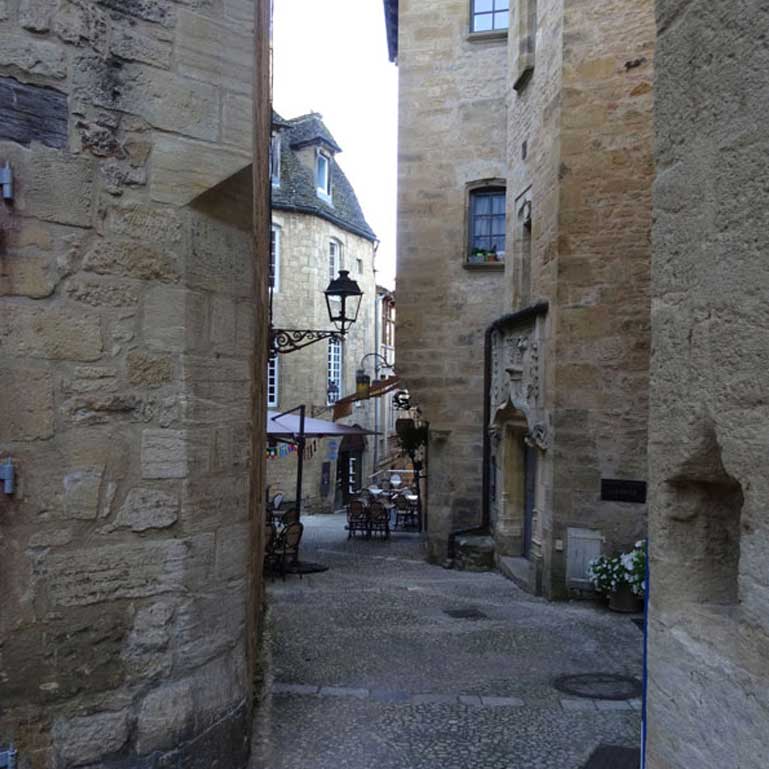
(343, 298)
(362, 379)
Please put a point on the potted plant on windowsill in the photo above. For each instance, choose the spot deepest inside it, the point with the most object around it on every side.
(622, 579)
(483, 256)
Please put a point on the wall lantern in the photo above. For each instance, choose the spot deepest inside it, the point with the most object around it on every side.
(343, 298)
(362, 384)
(363, 380)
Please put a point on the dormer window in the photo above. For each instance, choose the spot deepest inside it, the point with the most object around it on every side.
(275, 160)
(323, 175)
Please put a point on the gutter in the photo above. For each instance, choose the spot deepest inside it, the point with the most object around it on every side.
(323, 214)
(527, 313)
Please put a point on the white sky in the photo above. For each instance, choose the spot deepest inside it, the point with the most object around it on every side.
(330, 56)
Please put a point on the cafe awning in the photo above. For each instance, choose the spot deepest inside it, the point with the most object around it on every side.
(287, 426)
(343, 407)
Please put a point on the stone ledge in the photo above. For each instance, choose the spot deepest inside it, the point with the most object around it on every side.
(493, 36)
(493, 266)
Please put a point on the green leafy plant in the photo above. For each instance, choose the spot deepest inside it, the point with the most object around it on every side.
(479, 255)
(607, 575)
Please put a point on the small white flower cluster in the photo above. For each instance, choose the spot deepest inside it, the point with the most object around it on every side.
(609, 574)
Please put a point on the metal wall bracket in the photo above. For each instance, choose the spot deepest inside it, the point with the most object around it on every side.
(8, 757)
(6, 181)
(284, 340)
(8, 477)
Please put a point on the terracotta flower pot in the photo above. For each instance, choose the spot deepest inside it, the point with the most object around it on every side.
(624, 600)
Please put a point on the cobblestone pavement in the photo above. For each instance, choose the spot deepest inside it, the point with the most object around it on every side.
(369, 672)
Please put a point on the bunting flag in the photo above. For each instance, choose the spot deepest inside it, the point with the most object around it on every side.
(280, 451)
(286, 449)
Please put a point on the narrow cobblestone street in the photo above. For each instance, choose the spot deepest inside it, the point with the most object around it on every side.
(370, 672)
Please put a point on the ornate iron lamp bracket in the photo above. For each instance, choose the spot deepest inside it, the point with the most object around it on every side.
(283, 340)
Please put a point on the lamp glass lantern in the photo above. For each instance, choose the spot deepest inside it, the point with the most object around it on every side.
(343, 298)
(362, 383)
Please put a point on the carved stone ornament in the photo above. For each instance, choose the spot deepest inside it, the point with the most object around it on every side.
(516, 377)
(538, 437)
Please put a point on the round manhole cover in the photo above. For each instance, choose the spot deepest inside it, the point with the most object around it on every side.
(600, 686)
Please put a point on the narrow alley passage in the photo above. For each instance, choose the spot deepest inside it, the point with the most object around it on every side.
(370, 671)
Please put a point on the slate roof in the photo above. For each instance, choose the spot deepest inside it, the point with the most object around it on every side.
(391, 23)
(297, 182)
(310, 129)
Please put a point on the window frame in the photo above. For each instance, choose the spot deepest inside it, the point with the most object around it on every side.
(495, 30)
(273, 372)
(276, 235)
(333, 272)
(323, 192)
(488, 188)
(334, 369)
(275, 150)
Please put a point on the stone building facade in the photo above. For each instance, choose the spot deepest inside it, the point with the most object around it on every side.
(315, 235)
(709, 528)
(528, 350)
(453, 113)
(387, 451)
(128, 340)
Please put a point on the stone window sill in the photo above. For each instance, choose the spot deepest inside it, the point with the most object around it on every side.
(493, 266)
(487, 37)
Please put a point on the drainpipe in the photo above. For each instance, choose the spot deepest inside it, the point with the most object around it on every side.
(525, 314)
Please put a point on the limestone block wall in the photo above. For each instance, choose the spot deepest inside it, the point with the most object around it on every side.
(709, 529)
(601, 318)
(533, 177)
(300, 303)
(127, 328)
(452, 133)
(579, 154)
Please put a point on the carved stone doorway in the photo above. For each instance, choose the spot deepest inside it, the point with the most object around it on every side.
(513, 527)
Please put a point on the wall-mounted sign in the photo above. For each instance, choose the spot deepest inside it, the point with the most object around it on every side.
(332, 452)
(623, 491)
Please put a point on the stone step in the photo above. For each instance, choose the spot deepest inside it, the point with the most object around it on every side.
(474, 553)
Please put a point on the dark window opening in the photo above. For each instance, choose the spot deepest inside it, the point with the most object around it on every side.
(487, 225)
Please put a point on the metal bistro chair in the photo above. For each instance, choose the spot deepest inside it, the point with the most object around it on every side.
(357, 518)
(287, 547)
(405, 513)
(379, 519)
(277, 501)
(270, 540)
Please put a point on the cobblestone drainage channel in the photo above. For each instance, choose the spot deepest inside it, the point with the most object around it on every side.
(472, 614)
(600, 686)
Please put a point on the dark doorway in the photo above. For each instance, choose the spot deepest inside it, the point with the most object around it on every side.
(349, 468)
(529, 494)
